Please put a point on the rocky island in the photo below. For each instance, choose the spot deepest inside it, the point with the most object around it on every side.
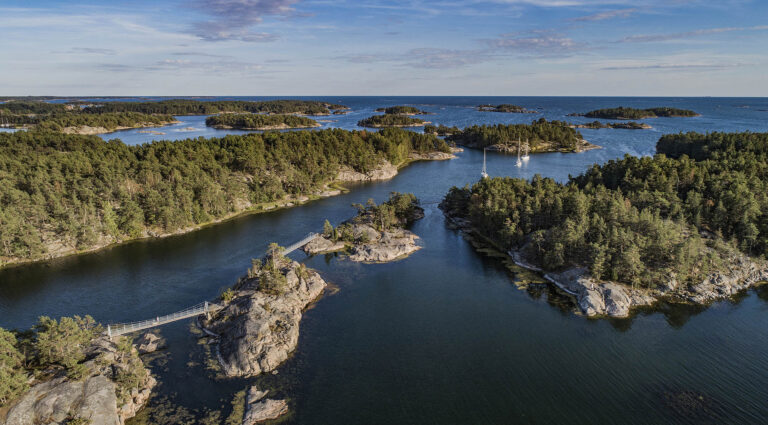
(197, 107)
(391, 120)
(624, 113)
(619, 236)
(541, 136)
(260, 122)
(69, 372)
(506, 108)
(402, 110)
(376, 234)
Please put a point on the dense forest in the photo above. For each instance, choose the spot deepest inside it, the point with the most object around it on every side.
(441, 130)
(390, 120)
(623, 113)
(632, 125)
(640, 221)
(113, 121)
(80, 192)
(31, 107)
(401, 110)
(504, 107)
(196, 107)
(542, 135)
(259, 121)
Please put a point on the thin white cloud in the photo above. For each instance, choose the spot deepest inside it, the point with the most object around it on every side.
(647, 38)
(608, 14)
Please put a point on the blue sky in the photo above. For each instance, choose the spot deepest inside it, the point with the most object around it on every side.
(396, 47)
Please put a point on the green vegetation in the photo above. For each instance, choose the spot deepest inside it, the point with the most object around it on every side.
(196, 107)
(504, 107)
(390, 121)
(398, 211)
(85, 193)
(401, 110)
(13, 377)
(635, 220)
(623, 113)
(259, 121)
(32, 107)
(542, 136)
(238, 409)
(632, 125)
(108, 121)
(441, 130)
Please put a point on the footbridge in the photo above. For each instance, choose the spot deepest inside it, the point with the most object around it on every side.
(204, 308)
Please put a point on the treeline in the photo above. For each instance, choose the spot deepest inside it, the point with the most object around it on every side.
(635, 220)
(441, 130)
(540, 134)
(196, 107)
(112, 121)
(82, 192)
(403, 110)
(624, 113)
(390, 120)
(631, 125)
(259, 121)
(31, 107)
(398, 211)
(504, 107)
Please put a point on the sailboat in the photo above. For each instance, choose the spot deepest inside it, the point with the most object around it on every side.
(526, 149)
(519, 160)
(484, 173)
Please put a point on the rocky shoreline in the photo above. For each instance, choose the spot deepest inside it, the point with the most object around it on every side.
(267, 127)
(598, 298)
(582, 146)
(88, 131)
(99, 396)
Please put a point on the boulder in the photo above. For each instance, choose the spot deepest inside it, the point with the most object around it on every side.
(148, 343)
(322, 245)
(259, 409)
(391, 246)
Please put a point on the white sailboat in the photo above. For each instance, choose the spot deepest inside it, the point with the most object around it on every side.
(519, 162)
(484, 173)
(526, 149)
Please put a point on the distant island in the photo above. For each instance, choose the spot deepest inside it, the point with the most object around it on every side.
(624, 113)
(402, 110)
(505, 107)
(260, 122)
(391, 120)
(196, 107)
(65, 193)
(632, 125)
(441, 130)
(541, 136)
(686, 225)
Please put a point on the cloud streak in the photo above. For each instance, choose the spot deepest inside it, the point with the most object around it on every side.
(689, 34)
(233, 19)
(608, 14)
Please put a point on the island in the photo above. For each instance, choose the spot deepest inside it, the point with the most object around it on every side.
(77, 123)
(685, 226)
(402, 110)
(441, 130)
(505, 107)
(69, 371)
(377, 234)
(541, 136)
(391, 120)
(632, 125)
(196, 107)
(624, 113)
(260, 122)
(64, 194)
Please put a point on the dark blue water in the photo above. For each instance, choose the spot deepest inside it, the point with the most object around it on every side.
(444, 336)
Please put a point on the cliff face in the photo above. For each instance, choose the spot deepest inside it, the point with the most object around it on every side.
(99, 397)
(257, 330)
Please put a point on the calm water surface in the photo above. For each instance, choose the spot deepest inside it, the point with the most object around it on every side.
(445, 336)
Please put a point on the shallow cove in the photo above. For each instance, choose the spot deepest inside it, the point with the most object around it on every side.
(443, 336)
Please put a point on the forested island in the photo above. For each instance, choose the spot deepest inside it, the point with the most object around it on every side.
(505, 107)
(632, 125)
(689, 224)
(402, 110)
(377, 234)
(541, 135)
(391, 120)
(260, 122)
(196, 107)
(63, 194)
(623, 113)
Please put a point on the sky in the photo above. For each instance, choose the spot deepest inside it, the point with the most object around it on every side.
(377, 47)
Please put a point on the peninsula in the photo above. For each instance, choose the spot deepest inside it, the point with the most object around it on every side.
(63, 194)
(260, 122)
(623, 113)
(196, 107)
(623, 234)
(632, 125)
(541, 136)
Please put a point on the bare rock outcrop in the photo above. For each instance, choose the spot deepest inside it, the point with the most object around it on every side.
(98, 397)
(384, 171)
(744, 272)
(259, 327)
(260, 409)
